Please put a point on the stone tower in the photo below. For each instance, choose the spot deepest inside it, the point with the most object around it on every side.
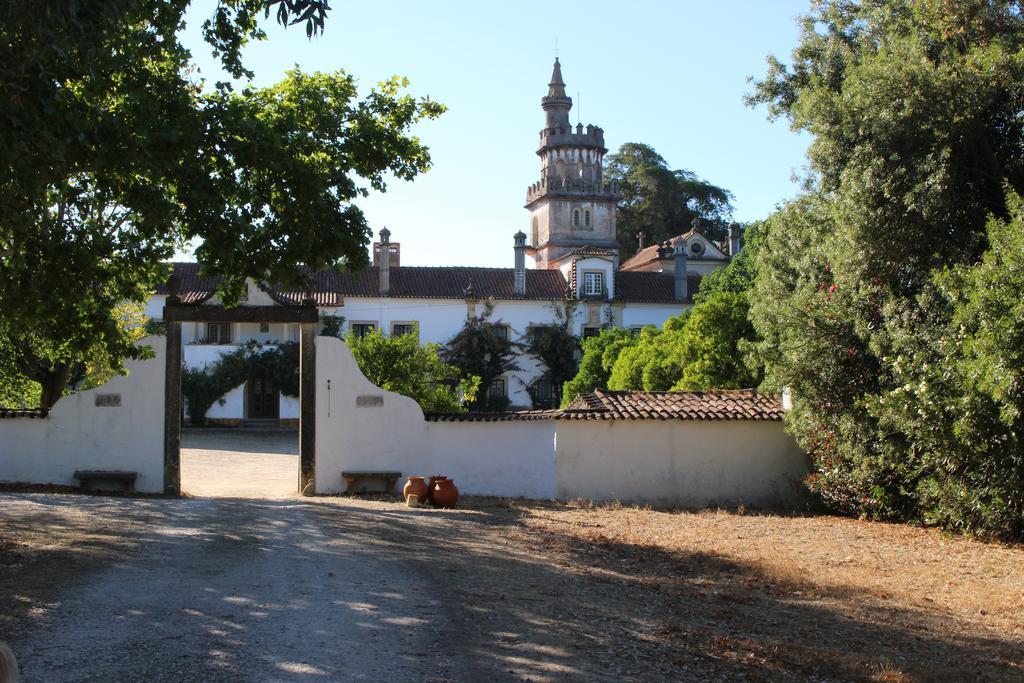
(571, 206)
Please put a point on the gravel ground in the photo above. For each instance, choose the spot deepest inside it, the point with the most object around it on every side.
(95, 588)
(237, 463)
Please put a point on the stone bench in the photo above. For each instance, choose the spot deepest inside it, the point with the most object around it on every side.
(367, 481)
(106, 480)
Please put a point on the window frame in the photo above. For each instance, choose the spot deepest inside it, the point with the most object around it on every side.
(414, 327)
(586, 218)
(218, 338)
(363, 325)
(588, 274)
(490, 395)
(589, 331)
(575, 218)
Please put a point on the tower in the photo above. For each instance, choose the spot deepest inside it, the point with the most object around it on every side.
(571, 206)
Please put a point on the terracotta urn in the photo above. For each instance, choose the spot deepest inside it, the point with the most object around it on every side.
(445, 493)
(416, 486)
(430, 486)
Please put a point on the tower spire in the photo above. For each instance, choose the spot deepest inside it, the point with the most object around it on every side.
(556, 104)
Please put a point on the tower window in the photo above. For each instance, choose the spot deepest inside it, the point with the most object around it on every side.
(586, 218)
(576, 218)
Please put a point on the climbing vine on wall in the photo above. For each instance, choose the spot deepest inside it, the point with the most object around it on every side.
(558, 349)
(202, 387)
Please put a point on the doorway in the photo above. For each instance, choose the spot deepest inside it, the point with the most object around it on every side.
(263, 398)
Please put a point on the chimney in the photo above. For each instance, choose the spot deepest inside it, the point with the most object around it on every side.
(734, 238)
(681, 284)
(384, 261)
(519, 279)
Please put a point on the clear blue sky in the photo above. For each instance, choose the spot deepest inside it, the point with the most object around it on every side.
(671, 74)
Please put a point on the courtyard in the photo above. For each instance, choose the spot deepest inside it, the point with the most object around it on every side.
(95, 588)
(239, 463)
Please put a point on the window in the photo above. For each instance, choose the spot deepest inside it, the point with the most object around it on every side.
(264, 328)
(496, 389)
(218, 333)
(586, 218)
(576, 218)
(593, 284)
(361, 329)
(591, 332)
(500, 331)
(635, 329)
(545, 392)
(398, 329)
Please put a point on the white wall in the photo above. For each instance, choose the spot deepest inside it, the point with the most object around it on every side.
(504, 459)
(79, 435)
(692, 463)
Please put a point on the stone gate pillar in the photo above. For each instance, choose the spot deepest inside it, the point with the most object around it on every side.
(307, 414)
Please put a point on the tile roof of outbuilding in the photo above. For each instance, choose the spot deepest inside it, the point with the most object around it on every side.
(330, 287)
(602, 404)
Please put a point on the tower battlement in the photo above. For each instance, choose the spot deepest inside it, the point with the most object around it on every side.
(590, 136)
(572, 186)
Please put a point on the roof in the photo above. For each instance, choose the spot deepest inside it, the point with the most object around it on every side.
(649, 254)
(591, 250)
(602, 404)
(649, 287)
(724, 404)
(450, 282)
(434, 282)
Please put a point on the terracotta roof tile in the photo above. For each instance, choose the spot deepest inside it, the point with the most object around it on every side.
(648, 287)
(447, 282)
(602, 404)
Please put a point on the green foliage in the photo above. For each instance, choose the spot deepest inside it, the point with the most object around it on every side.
(661, 202)
(695, 351)
(738, 275)
(557, 348)
(202, 387)
(480, 349)
(32, 373)
(915, 111)
(401, 365)
(332, 326)
(599, 355)
(112, 158)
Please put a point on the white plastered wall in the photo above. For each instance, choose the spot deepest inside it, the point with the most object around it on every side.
(79, 435)
(692, 463)
(362, 427)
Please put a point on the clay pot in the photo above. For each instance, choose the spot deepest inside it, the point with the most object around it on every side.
(416, 486)
(445, 493)
(430, 486)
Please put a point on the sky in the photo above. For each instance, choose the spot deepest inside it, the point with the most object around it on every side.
(671, 74)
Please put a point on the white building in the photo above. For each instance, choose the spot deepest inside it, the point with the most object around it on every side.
(573, 253)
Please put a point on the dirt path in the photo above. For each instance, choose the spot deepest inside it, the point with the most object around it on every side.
(347, 589)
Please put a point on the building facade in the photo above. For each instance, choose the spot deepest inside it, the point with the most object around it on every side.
(572, 254)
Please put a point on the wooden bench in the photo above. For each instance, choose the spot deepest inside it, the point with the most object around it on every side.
(366, 481)
(106, 480)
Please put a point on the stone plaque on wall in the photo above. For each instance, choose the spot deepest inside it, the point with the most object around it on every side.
(108, 400)
(369, 401)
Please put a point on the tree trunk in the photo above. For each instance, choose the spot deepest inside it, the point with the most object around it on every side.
(53, 383)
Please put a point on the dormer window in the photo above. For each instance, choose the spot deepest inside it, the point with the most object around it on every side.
(576, 218)
(593, 284)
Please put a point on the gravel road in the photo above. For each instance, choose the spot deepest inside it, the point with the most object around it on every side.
(231, 589)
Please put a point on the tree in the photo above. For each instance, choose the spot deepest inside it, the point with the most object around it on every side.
(599, 356)
(914, 106)
(112, 157)
(483, 349)
(738, 275)
(557, 349)
(660, 202)
(400, 364)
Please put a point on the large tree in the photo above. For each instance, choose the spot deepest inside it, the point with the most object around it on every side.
(661, 202)
(915, 108)
(112, 156)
